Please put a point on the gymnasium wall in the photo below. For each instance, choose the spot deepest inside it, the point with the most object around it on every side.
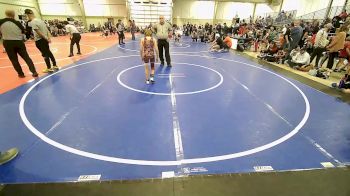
(308, 6)
(194, 10)
(95, 10)
(228, 10)
(105, 8)
(99, 11)
(59, 8)
(263, 8)
(19, 6)
(200, 12)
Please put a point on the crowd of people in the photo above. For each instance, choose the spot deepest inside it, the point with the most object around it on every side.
(303, 45)
(300, 43)
(297, 44)
(110, 29)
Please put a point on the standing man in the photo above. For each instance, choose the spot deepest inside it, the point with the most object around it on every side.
(120, 29)
(74, 36)
(12, 32)
(296, 33)
(321, 42)
(132, 29)
(163, 32)
(42, 40)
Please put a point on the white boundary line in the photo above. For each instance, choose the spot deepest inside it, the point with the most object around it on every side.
(133, 50)
(161, 163)
(167, 94)
(175, 46)
(323, 151)
(176, 124)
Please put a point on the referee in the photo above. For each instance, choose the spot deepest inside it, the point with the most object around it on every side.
(12, 33)
(42, 40)
(163, 32)
(74, 37)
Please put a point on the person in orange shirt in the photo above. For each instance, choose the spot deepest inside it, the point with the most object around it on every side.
(227, 42)
(220, 45)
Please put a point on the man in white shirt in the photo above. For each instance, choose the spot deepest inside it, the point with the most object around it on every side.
(163, 32)
(300, 59)
(42, 38)
(74, 36)
(321, 41)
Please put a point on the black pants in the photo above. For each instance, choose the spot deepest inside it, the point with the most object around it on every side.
(332, 55)
(75, 40)
(14, 47)
(293, 45)
(318, 54)
(163, 43)
(121, 37)
(292, 64)
(44, 48)
(133, 35)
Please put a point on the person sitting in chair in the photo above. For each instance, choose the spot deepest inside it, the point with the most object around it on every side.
(300, 59)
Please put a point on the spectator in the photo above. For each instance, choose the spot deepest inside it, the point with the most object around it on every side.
(287, 38)
(336, 44)
(300, 59)
(201, 33)
(343, 55)
(132, 29)
(296, 33)
(194, 36)
(343, 15)
(321, 41)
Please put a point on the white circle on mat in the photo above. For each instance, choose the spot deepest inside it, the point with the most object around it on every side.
(168, 94)
(179, 45)
(69, 149)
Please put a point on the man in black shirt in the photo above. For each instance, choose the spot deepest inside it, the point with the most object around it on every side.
(287, 40)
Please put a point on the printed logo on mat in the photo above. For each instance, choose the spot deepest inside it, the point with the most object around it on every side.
(327, 164)
(89, 178)
(263, 168)
(168, 174)
(188, 170)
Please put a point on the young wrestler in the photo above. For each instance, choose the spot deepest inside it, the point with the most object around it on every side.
(149, 53)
